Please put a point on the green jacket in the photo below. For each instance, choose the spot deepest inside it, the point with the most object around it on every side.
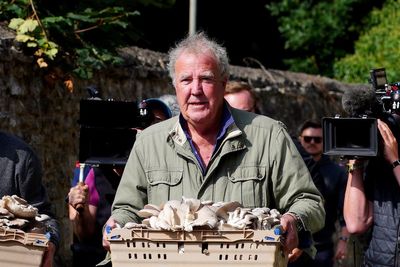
(256, 164)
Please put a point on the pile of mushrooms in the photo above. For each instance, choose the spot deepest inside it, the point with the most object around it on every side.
(16, 212)
(189, 214)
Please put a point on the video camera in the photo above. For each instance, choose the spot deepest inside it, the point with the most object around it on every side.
(107, 130)
(358, 135)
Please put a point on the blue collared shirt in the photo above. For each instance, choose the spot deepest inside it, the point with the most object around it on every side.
(226, 121)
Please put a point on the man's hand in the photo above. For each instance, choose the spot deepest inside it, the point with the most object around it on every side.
(49, 255)
(390, 150)
(341, 250)
(78, 196)
(295, 254)
(110, 224)
(291, 239)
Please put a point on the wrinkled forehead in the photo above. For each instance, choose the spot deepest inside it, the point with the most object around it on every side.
(205, 63)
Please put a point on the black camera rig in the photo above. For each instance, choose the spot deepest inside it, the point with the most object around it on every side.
(357, 135)
(388, 94)
(107, 130)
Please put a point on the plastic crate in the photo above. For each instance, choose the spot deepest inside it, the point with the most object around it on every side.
(151, 248)
(20, 249)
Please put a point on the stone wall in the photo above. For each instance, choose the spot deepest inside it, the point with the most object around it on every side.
(36, 105)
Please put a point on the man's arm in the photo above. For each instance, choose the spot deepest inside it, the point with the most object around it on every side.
(131, 195)
(83, 201)
(357, 210)
(341, 247)
(390, 151)
(293, 188)
(84, 220)
(33, 191)
(295, 194)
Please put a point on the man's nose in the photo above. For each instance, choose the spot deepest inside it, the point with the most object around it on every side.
(197, 87)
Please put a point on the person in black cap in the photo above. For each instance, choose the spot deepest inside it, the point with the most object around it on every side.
(153, 110)
(90, 202)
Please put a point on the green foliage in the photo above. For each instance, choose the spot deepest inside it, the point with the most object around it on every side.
(318, 32)
(16, 8)
(83, 35)
(90, 59)
(29, 32)
(377, 47)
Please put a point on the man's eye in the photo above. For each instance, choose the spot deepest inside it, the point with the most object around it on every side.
(185, 80)
(207, 79)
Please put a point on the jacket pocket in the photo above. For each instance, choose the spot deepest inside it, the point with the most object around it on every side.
(247, 185)
(163, 185)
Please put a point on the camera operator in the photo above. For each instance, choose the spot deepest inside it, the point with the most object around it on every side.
(372, 201)
(95, 196)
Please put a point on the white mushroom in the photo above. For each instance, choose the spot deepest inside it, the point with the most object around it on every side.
(194, 204)
(132, 225)
(42, 217)
(152, 207)
(146, 213)
(190, 213)
(204, 217)
(19, 207)
(17, 223)
(224, 207)
(5, 214)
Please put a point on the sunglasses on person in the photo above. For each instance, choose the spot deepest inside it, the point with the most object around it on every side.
(317, 139)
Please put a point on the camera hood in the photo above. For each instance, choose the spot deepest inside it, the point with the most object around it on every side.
(353, 137)
(106, 136)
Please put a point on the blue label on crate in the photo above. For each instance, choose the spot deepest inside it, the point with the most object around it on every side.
(269, 238)
(39, 242)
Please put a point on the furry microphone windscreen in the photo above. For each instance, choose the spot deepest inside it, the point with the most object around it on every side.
(359, 101)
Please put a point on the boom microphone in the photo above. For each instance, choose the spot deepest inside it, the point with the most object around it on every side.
(359, 101)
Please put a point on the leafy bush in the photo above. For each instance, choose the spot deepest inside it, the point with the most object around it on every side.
(318, 32)
(82, 35)
(377, 47)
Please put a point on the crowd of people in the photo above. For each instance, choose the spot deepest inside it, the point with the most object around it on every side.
(210, 142)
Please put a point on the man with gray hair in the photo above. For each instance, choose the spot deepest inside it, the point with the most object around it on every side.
(213, 152)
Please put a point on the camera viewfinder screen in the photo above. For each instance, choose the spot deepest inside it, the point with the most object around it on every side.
(378, 77)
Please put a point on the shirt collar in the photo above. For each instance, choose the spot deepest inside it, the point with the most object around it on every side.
(227, 120)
